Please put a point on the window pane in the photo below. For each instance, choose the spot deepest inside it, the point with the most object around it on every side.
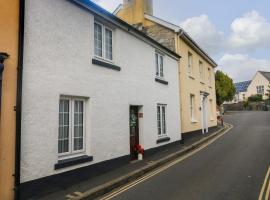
(98, 40)
(157, 65)
(78, 125)
(161, 65)
(158, 120)
(63, 130)
(108, 44)
(66, 119)
(163, 120)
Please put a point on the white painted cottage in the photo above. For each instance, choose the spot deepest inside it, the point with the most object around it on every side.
(93, 88)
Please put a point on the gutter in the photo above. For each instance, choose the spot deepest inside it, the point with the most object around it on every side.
(19, 102)
(196, 47)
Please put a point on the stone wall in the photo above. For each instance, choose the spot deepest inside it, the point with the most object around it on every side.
(161, 34)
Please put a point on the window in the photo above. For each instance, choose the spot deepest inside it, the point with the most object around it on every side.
(71, 126)
(209, 76)
(159, 65)
(201, 70)
(211, 110)
(192, 107)
(103, 42)
(260, 89)
(190, 70)
(161, 120)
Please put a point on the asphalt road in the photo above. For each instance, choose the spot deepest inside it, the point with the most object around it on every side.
(231, 168)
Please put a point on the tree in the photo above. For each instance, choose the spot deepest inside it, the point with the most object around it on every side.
(225, 89)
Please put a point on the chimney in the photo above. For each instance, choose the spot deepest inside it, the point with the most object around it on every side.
(147, 5)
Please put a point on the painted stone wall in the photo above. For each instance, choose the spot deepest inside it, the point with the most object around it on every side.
(9, 23)
(64, 33)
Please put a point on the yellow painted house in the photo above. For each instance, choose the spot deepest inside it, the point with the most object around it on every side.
(9, 43)
(196, 67)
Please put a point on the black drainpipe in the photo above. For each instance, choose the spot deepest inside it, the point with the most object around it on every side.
(19, 103)
(3, 56)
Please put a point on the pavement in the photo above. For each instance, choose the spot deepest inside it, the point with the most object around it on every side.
(234, 167)
(99, 185)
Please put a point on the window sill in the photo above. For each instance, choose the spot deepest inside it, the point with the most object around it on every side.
(105, 64)
(192, 77)
(161, 81)
(164, 139)
(72, 161)
(194, 121)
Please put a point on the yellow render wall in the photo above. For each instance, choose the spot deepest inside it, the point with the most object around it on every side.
(9, 23)
(193, 85)
(133, 14)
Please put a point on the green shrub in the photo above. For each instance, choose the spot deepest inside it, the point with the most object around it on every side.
(255, 98)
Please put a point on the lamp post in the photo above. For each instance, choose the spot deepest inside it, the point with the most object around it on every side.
(3, 57)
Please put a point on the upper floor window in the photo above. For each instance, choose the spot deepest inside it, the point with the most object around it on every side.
(209, 76)
(201, 70)
(103, 42)
(190, 62)
(71, 127)
(159, 65)
(260, 89)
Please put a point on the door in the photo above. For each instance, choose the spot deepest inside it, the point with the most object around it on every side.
(204, 114)
(134, 131)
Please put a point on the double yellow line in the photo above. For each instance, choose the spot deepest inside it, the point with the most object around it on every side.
(163, 168)
(265, 191)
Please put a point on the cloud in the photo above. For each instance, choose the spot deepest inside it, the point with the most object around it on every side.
(242, 67)
(205, 33)
(109, 5)
(250, 32)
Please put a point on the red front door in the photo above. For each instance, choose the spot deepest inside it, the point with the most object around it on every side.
(134, 131)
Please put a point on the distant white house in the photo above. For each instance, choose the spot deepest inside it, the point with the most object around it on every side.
(259, 84)
(241, 91)
(93, 88)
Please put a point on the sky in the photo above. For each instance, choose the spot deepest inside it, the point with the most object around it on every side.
(235, 33)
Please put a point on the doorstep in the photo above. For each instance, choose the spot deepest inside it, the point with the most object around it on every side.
(106, 182)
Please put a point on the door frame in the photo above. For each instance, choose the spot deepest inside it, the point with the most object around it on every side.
(137, 136)
(204, 112)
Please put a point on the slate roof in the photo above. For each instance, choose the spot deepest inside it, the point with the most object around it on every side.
(266, 75)
(242, 86)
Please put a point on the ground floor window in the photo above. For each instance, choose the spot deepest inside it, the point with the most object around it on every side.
(192, 107)
(161, 120)
(211, 109)
(71, 129)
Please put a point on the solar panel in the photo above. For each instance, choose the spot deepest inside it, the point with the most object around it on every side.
(242, 86)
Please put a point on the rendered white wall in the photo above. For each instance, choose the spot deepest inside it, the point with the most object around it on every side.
(58, 61)
(258, 80)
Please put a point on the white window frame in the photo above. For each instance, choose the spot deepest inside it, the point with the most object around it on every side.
(162, 117)
(71, 152)
(190, 63)
(158, 57)
(192, 107)
(260, 89)
(103, 46)
(201, 70)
